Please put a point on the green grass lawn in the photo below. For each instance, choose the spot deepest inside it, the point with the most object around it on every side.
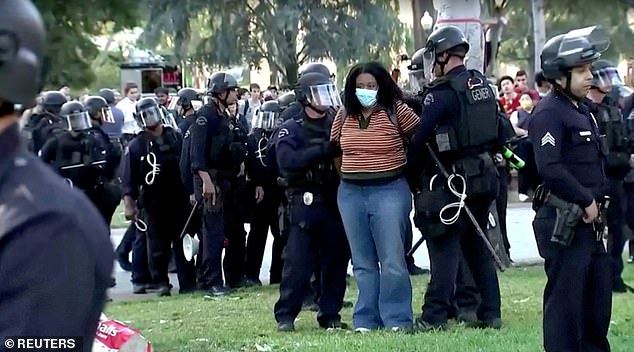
(245, 322)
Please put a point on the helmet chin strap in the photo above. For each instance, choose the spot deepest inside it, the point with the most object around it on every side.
(567, 91)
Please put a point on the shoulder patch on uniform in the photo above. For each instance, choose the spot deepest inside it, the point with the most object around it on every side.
(548, 139)
(429, 98)
(201, 121)
(283, 133)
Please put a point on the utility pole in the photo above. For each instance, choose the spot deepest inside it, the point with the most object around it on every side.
(464, 14)
(539, 31)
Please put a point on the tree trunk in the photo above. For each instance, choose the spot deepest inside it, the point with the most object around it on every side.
(464, 14)
(417, 13)
(539, 31)
(291, 74)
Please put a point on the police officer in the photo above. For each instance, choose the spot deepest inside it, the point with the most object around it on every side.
(459, 114)
(268, 195)
(114, 129)
(83, 155)
(44, 125)
(154, 194)
(185, 108)
(63, 230)
(108, 195)
(213, 169)
(568, 153)
(305, 160)
(285, 100)
(606, 110)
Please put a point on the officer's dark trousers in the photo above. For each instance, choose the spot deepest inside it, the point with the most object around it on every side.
(265, 216)
(235, 251)
(213, 236)
(445, 253)
(577, 297)
(106, 199)
(140, 262)
(164, 226)
(127, 242)
(316, 231)
(466, 297)
(616, 222)
(629, 212)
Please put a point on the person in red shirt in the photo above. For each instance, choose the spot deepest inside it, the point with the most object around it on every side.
(509, 100)
(521, 81)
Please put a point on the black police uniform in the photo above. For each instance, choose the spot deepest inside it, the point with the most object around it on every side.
(87, 159)
(315, 226)
(162, 201)
(460, 109)
(265, 214)
(44, 127)
(210, 151)
(61, 293)
(577, 297)
(612, 125)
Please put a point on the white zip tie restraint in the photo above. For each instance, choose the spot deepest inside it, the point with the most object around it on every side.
(150, 176)
(462, 195)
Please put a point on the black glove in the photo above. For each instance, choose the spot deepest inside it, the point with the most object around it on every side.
(331, 149)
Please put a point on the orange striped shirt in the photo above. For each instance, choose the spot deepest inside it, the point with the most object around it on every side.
(379, 147)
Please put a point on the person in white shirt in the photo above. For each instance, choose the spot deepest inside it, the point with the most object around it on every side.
(127, 105)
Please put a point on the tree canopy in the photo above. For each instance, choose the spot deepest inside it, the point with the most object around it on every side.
(70, 25)
(283, 33)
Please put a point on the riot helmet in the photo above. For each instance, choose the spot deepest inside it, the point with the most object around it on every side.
(316, 90)
(22, 38)
(446, 39)
(576, 48)
(186, 96)
(107, 94)
(286, 99)
(75, 117)
(416, 70)
(314, 67)
(52, 101)
(98, 109)
(606, 78)
(148, 113)
(221, 82)
(268, 116)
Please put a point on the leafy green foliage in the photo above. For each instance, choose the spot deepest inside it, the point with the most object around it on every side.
(562, 16)
(70, 24)
(284, 33)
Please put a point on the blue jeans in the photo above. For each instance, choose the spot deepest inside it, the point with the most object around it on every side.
(375, 219)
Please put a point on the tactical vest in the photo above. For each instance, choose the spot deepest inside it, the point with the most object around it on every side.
(81, 159)
(475, 129)
(166, 154)
(219, 148)
(321, 175)
(238, 146)
(611, 125)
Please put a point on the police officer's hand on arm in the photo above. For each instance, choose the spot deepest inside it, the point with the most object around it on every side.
(259, 194)
(130, 209)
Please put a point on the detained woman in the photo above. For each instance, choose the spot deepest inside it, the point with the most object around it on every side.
(374, 198)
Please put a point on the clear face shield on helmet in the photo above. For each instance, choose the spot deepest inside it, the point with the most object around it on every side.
(429, 61)
(77, 121)
(150, 117)
(168, 119)
(105, 114)
(417, 80)
(324, 95)
(606, 78)
(266, 120)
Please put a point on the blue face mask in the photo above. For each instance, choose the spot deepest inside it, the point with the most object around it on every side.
(367, 97)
